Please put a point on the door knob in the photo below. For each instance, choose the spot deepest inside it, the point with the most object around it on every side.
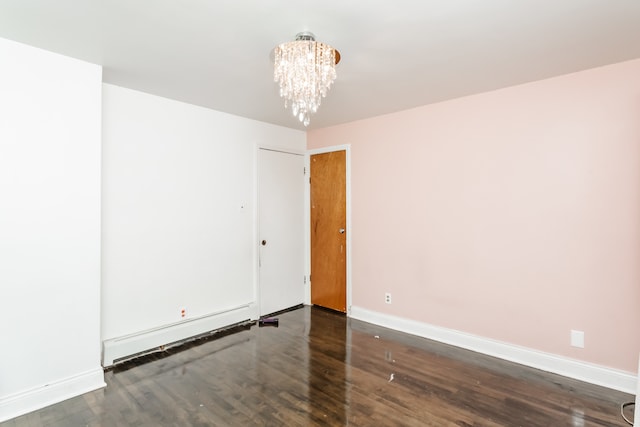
(341, 231)
(264, 243)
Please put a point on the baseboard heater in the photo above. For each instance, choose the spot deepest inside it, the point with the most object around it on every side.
(124, 348)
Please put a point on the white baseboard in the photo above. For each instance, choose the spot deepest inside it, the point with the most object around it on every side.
(121, 347)
(31, 400)
(591, 373)
(636, 412)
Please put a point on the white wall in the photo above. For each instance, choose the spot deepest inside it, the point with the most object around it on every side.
(179, 211)
(50, 108)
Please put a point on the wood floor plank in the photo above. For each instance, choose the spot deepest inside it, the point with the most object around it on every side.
(321, 368)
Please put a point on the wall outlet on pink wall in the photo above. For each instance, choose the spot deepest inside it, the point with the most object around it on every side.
(577, 338)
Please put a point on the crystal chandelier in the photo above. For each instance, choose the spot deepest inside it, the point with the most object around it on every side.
(305, 70)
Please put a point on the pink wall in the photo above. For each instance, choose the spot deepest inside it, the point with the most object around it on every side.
(513, 214)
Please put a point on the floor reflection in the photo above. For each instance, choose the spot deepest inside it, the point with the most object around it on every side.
(321, 368)
(328, 351)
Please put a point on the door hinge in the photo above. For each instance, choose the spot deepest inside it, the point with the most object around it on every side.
(305, 279)
(304, 170)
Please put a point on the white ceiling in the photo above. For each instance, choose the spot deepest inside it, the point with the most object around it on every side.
(395, 55)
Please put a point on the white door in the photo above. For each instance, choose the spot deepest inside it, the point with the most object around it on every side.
(281, 222)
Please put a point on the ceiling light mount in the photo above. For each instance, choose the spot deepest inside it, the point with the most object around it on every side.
(305, 69)
(305, 36)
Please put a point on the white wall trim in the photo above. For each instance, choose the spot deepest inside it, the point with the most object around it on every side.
(636, 412)
(343, 147)
(117, 348)
(347, 149)
(256, 226)
(591, 373)
(269, 147)
(31, 400)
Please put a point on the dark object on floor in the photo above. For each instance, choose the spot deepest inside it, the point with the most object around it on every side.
(268, 321)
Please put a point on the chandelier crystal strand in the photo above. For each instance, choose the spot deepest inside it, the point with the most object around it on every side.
(305, 70)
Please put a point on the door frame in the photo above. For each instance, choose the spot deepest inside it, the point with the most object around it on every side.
(347, 149)
(255, 306)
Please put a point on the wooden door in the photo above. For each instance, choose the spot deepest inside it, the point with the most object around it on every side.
(281, 221)
(328, 230)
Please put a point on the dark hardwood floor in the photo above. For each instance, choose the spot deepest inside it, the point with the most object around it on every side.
(320, 368)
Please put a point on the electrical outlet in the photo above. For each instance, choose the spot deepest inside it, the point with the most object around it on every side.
(387, 298)
(577, 339)
(183, 312)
